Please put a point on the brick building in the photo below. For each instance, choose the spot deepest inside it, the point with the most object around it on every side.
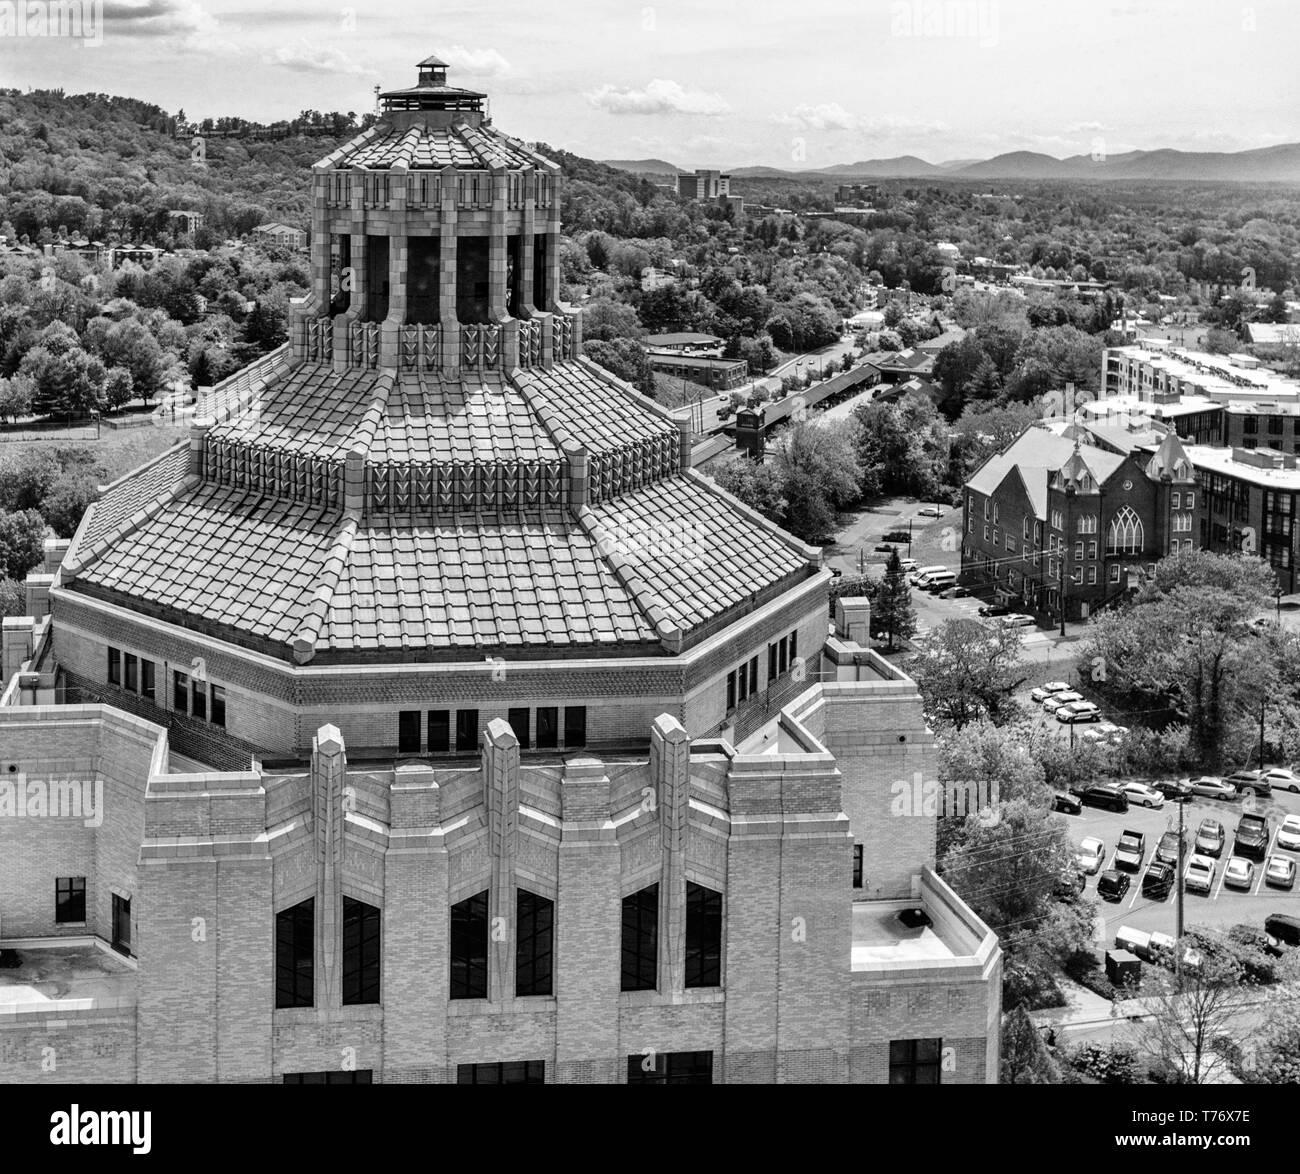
(1052, 516)
(443, 724)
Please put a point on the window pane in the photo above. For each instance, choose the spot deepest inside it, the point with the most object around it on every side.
(147, 680)
(771, 661)
(469, 944)
(180, 692)
(70, 898)
(408, 731)
(575, 725)
(218, 706)
(519, 722)
(439, 731)
(640, 947)
(731, 691)
(467, 729)
(132, 665)
(534, 943)
(294, 957)
(857, 866)
(703, 936)
(114, 667)
(548, 720)
(361, 952)
(199, 699)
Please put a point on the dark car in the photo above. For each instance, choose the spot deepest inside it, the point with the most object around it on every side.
(1253, 836)
(1173, 790)
(1159, 879)
(1167, 848)
(995, 609)
(1284, 927)
(885, 548)
(1113, 884)
(955, 593)
(1209, 838)
(1250, 782)
(1066, 803)
(1105, 795)
(898, 536)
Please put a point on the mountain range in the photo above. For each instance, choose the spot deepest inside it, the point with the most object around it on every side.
(1280, 164)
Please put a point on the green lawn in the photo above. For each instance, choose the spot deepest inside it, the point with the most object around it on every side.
(118, 451)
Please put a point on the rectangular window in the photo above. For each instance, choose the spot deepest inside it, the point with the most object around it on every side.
(180, 692)
(1092, 549)
(131, 663)
(731, 690)
(703, 936)
(995, 512)
(914, 1061)
(1250, 424)
(294, 958)
(1174, 500)
(1190, 506)
(986, 508)
(771, 662)
(534, 943)
(469, 945)
(69, 899)
(753, 675)
(219, 706)
(1078, 550)
(199, 699)
(857, 866)
(439, 731)
(575, 725)
(1114, 572)
(995, 536)
(986, 531)
(670, 1068)
(640, 945)
(794, 646)
(360, 952)
(548, 721)
(333, 1076)
(408, 731)
(114, 667)
(147, 680)
(1092, 575)
(508, 1072)
(520, 720)
(782, 652)
(467, 729)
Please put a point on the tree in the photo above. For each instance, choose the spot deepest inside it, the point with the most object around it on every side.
(15, 397)
(967, 669)
(980, 752)
(118, 389)
(819, 475)
(22, 542)
(625, 358)
(902, 448)
(1025, 1059)
(892, 615)
(604, 319)
(760, 486)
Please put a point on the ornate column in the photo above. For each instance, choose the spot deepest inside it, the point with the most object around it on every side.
(328, 776)
(670, 764)
(501, 798)
(450, 323)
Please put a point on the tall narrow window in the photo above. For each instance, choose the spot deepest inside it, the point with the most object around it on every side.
(218, 706)
(439, 731)
(408, 731)
(360, 952)
(114, 667)
(519, 722)
(640, 969)
(294, 958)
(70, 899)
(857, 866)
(548, 720)
(703, 936)
(199, 699)
(731, 691)
(467, 729)
(147, 680)
(180, 692)
(131, 664)
(534, 943)
(469, 945)
(771, 662)
(575, 725)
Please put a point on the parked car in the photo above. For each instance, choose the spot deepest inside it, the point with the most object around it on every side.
(1239, 873)
(1106, 731)
(1167, 848)
(1159, 879)
(1283, 927)
(898, 536)
(919, 576)
(1017, 620)
(1056, 700)
(1288, 835)
(955, 593)
(1252, 836)
(1078, 711)
(1209, 838)
(1173, 790)
(1280, 872)
(884, 548)
(930, 511)
(1213, 787)
(940, 582)
(1112, 885)
(1198, 876)
(1131, 851)
(1104, 795)
(995, 609)
(1066, 803)
(908, 565)
(1281, 778)
(1250, 782)
(1143, 795)
(1090, 855)
(1043, 692)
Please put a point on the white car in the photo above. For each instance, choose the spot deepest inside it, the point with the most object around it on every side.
(1239, 873)
(1078, 711)
(1198, 876)
(908, 565)
(1213, 787)
(1143, 795)
(1017, 620)
(1043, 692)
(1056, 700)
(1090, 855)
(1111, 730)
(930, 511)
(1288, 835)
(1281, 779)
(1280, 872)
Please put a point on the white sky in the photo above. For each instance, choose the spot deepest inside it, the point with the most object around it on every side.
(726, 82)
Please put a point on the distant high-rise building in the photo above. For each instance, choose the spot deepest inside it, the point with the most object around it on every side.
(704, 185)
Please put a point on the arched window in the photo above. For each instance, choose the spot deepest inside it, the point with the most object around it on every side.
(1125, 534)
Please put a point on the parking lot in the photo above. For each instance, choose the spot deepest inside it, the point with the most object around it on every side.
(1221, 907)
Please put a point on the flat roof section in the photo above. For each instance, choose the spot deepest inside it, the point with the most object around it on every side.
(59, 979)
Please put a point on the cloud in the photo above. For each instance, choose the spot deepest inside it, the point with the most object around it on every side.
(480, 62)
(1080, 128)
(831, 116)
(305, 57)
(156, 18)
(827, 116)
(659, 97)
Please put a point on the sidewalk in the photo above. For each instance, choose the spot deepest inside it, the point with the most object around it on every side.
(1083, 1008)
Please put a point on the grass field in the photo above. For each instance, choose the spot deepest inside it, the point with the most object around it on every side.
(118, 451)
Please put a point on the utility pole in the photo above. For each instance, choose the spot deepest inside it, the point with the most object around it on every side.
(1261, 733)
(1178, 884)
(1062, 589)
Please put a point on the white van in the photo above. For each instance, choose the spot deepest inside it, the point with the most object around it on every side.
(917, 577)
(938, 581)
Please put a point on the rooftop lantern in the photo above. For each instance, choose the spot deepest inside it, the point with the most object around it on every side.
(431, 92)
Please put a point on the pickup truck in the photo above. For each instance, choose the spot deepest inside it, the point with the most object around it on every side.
(1131, 850)
(1252, 837)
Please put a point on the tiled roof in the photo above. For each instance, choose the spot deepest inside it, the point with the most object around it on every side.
(696, 554)
(1037, 454)
(128, 494)
(462, 146)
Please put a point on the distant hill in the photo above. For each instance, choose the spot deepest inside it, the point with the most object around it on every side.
(901, 167)
(644, 166)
